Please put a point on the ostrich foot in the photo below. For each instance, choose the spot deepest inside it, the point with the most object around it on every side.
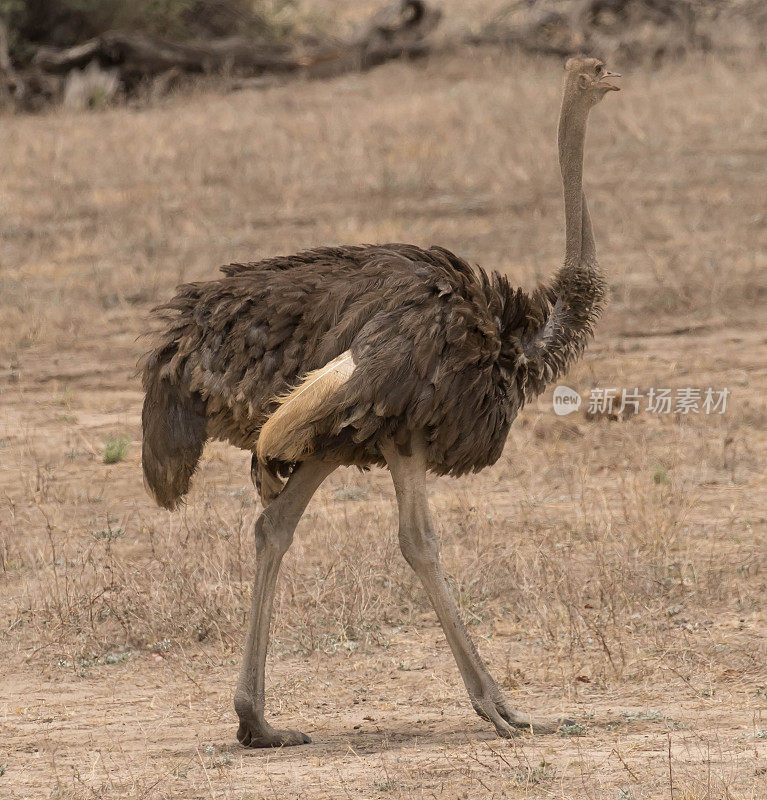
(254, 733)
(508, 722)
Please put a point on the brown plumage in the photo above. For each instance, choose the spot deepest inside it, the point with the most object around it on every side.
(383, 354)
(438, 346)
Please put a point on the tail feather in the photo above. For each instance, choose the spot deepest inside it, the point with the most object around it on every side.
(174, 423)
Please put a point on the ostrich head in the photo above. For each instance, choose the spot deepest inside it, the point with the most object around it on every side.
(586, 80)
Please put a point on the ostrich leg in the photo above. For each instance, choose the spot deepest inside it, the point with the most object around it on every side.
(420, 548)
(274, 534)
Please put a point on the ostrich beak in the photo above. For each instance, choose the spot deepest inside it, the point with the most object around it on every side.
(609, 86)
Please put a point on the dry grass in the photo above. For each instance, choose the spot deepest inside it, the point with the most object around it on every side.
(613, 569)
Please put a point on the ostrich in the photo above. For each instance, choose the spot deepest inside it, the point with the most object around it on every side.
(387, 355)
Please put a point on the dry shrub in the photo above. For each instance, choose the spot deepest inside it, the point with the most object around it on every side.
(97, 593)
(614, 585)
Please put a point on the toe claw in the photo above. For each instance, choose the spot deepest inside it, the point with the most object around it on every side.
(508, 722)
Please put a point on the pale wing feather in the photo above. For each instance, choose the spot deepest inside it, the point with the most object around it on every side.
(285, 436)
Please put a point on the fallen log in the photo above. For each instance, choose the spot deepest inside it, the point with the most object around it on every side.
(396, 31)
(138, 54)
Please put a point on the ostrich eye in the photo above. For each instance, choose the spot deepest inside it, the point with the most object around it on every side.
(599, 69)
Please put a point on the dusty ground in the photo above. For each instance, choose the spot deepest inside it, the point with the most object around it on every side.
(615, 569)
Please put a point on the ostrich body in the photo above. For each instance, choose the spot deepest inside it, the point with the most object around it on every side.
(388, 354)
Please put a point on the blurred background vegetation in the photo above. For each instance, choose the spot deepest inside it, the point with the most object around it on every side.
(92, 53)
(63, 23)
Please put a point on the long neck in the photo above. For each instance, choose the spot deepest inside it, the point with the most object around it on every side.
(572, 302)
(572, 136)
(588, 246)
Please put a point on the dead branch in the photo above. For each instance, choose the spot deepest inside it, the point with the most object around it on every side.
(395, 31)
